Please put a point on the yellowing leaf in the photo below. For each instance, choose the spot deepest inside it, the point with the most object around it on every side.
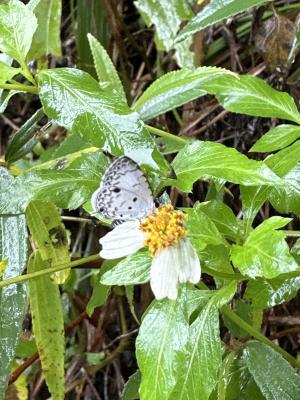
(49, 234)
(3, 265)
(48, 326)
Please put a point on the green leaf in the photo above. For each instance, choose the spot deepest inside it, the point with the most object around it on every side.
(7, 72)
(160, 347)
(222, 216)
(265, 293)
(277, 138)
(196, 300)
(100, 291)
(94, 358)
(131, 387)
(245, 311)
(97, 115)
(169, 145)
(46, 39)
(252, 96)
(225, 375)
(252, 200)
(285, 198)
(106, 71)
(239, 382)
(132, 270)
(274, 376)
(205, 355)
(68, 183)
(199, 373)
(49, 235)
(214, 12)
(71, 144)
(216, 258)
(201, 229)
(198, 161)
(284, 160)
(5, 96)
(3, 265)
(265, 252)
(241, 94)
(13, 298)
(92, 19)
(24, 139)
(177, 88)
(17, 26)
(48, 326)
(167, 16)
(129, 291)
(26, 348)
(295, 250)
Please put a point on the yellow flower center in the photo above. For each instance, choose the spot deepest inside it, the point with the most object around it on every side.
(163, 228)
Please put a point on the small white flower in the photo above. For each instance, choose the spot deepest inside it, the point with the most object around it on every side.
(174, 258)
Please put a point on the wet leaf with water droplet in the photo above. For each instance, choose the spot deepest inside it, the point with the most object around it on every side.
(69, 187)
(98, 115)
(46, 39)
(274, 376)
(13, 298)
(17, 26)
(198, 161)
(133, 270)
(265, 252)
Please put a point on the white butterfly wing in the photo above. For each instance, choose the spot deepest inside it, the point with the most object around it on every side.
(124, 192)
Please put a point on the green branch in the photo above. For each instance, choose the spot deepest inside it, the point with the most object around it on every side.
(26, 73)
(168, 135)
(227, 311)
(51, 270)
(23, 88)
(224, 275)
(291, 233)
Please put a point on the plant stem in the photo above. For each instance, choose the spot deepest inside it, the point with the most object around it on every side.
(20, 86)
(224, 275)
(76, 219)
(226, 310)
(291, 233)
(168, 135)
(51, 270)
(26, 73)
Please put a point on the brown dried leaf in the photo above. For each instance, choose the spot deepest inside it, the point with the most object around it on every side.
(273, 40)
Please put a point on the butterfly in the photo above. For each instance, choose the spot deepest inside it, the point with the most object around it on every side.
(124, 192)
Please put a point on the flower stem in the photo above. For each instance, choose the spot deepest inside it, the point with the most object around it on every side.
(46, 271)
(166, 134)
(227, 311)
(20, 86)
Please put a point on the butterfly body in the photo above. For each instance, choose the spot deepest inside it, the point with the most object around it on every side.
(124, 192)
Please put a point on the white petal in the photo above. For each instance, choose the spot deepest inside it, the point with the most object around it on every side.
(164, 274)
(189, 269)
(123, 240)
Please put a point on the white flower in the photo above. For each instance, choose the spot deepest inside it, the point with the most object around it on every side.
(174, 258)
